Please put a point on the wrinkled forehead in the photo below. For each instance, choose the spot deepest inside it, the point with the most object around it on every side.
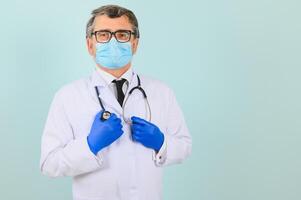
(103, 22)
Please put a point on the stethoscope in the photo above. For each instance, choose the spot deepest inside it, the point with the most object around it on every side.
(107, 114)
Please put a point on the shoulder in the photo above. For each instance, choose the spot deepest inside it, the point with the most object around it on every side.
(72, 89)
(156, 87)
(153, 83)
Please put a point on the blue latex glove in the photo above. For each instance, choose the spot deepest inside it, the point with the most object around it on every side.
(104, 133)
(147, 133)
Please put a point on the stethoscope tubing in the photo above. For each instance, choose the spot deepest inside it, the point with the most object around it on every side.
(106, 114)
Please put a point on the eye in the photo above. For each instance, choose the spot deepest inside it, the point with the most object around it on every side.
(102, 34)
(123, 35)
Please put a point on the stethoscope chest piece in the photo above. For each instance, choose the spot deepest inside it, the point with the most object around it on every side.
(105, 115)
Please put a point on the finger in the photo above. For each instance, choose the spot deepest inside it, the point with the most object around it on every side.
(139, 133)
(136, 138)
(138, 120)
(113, 116)
(135, 131)
(117, 126)
(137, 127)
(117, 120)
(120, 132)
(115, 123)
(97, 116)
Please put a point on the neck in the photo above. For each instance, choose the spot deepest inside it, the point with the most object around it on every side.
(116, 72)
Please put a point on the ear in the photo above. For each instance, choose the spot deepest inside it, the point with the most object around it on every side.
(135, 45)
(90, 46)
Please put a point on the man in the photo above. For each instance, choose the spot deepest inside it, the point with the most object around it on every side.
(114, 144)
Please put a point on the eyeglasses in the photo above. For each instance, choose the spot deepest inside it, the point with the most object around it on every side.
(104, 36)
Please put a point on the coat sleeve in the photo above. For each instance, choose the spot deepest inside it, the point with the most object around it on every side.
(178, 143)
(61, 153)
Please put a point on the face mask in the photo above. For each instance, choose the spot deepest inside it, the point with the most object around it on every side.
(113, 54)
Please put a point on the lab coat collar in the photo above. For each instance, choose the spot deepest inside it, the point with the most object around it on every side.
(105, 79)
(108, 78)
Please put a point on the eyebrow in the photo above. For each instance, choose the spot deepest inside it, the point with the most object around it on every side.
(114, 31)
(103, 30)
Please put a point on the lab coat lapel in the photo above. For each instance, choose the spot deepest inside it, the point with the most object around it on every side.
(107, 97)
(132, 84)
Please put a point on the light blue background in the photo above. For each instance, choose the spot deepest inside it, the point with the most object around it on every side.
(234, 66)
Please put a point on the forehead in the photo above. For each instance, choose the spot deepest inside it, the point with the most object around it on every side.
(105, 22)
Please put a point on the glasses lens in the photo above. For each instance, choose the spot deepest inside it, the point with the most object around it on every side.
(103, 36)
(123, 36)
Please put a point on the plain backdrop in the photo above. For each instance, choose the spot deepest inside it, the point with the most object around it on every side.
(234, 66)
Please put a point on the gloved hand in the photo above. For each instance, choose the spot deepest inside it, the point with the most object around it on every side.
(104, 133)
(147, 133)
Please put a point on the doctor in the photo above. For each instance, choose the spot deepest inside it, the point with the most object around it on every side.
(113, 141)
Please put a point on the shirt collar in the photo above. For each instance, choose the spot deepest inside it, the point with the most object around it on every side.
(108, 78)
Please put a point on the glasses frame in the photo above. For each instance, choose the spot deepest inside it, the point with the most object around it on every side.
(113, 33)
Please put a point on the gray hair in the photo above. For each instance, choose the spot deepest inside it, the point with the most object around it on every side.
(112, 11)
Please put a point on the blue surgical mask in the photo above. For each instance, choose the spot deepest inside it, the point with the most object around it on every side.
(113, 54)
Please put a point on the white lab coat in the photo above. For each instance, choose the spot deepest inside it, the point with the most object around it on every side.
(125, 170)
